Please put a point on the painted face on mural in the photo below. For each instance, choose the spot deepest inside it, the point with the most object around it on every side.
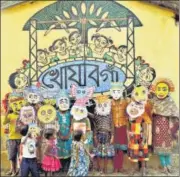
(101, 42)
(17, 104)
(146, 76)
(140, 94)
(75, 38)
(79, 112)
(134, 110)
(42, 56)
(46, 114)
(161, 90)
(21, 81)
(60, 46)
(27, 115)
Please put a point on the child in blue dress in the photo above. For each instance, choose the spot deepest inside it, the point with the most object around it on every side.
(80, 157)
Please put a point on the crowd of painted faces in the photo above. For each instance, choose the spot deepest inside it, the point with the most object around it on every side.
(59, 136)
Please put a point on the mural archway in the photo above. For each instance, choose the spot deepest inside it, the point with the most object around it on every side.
(76, 59)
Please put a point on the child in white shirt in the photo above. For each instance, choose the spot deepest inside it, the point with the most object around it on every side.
(28, 154)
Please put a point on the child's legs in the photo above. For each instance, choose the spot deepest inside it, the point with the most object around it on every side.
(34, 167)
(162, 160)
(24, 167)
(168, 160)
(105, 164)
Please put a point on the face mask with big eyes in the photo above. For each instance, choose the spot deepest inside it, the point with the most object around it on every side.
(21, 81)
(134, 110)
(140, 94)
(79, 112)
(33, 98)
(46, 114)
(64, 104)
(103, 108)
(81, 93)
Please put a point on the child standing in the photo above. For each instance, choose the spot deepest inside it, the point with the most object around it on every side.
(79, 165)
(28, 154)
(51, 162)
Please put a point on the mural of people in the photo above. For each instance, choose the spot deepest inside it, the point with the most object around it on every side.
(120, 56)
(42, 57)
(59, 48)
(77, 49)
(100, 45)
(165, 121)
(120, 122)
(109, 56)
(64, 133)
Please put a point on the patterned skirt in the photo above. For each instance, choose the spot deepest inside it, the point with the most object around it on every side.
(104, 148)
(162, 138)
(137, 149)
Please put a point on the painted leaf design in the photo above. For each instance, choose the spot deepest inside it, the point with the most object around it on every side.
(98, 11)
(74, 10)
(92, 22)
(66, 14)
(91, 10)
(58, 18)
(72, 24)
(101, 26)
(83, 8)
(113, 23)
(50, 28)
(105, 15)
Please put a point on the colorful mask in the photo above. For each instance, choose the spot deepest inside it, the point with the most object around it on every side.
(140, 94)
(134, 110)
(34, 129)
(117, 89)
(46, 114)
(62, 101)
(27, 115)
(16, 102)
(161, 87)
(162, 90)
(33, 95)
(79, 110)
(103, 105)
(81, 92)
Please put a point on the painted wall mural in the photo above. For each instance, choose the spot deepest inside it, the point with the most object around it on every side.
(80, 57)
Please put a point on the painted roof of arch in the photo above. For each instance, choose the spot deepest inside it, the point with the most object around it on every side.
(173, 5)
(63, 9)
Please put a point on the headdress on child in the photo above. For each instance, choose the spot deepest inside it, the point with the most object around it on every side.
(117, 85)
(102, 98)
(15, 96)
(163, 80)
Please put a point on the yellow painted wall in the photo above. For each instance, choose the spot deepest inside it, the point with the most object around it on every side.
(157, 41)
